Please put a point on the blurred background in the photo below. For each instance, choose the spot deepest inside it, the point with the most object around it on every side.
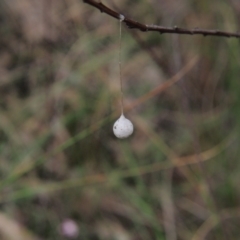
(64, 175)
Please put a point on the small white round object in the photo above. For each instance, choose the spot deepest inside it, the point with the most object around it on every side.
(121, 17)
(123, 127)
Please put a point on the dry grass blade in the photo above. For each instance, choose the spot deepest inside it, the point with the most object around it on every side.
(163, 87)
(185, 160)
(212, 222)
(11, 230)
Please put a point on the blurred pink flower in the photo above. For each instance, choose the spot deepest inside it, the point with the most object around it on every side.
(69, 228)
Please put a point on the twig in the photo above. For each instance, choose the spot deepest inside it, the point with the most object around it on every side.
(156, 28)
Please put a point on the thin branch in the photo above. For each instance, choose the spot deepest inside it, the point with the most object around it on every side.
(144, 27)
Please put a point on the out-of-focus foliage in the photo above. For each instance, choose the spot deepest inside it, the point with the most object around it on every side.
(63, 173)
